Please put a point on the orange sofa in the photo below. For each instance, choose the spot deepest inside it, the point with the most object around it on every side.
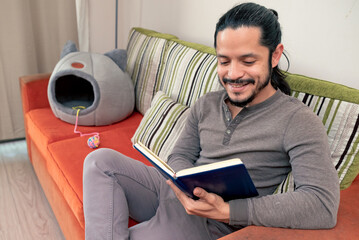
(57, 153)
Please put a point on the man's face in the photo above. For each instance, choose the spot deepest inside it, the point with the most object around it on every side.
(243, 66)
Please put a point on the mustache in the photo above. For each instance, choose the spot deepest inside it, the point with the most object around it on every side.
(239, 81)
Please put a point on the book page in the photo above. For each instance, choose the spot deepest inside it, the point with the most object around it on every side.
(159, 162)
(208, 167)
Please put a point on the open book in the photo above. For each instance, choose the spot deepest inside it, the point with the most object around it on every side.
(228, 179)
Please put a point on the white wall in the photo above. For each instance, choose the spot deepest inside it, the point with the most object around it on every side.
(102, 25)
(321, 37)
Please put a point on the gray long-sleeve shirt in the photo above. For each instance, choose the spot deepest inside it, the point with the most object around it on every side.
(271, 138)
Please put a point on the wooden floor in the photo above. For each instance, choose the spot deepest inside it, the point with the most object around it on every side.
(24, 210)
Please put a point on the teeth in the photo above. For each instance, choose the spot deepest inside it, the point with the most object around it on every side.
(238, 85)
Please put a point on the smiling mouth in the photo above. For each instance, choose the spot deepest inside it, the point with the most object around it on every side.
(238, 83)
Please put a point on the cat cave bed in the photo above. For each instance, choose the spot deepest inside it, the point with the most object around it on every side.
(97, 84)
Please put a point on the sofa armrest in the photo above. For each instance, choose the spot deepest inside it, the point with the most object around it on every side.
(346, 228)
(34, 91)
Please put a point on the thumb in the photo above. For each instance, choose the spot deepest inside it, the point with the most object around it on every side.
(200, 192)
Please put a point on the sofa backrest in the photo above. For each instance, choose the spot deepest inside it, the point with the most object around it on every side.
(189, 71)
(161, 62)
(145, 50)
(185, 71)
(338, 108)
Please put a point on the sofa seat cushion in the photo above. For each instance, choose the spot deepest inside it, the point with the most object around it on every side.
(67, 157)
(45, 128)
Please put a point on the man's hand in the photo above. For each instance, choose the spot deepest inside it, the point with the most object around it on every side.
(209, 205)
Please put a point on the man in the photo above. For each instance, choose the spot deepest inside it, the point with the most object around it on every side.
(271, 132)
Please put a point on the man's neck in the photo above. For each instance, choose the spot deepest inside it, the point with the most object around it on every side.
(233, 109)
(264, 95)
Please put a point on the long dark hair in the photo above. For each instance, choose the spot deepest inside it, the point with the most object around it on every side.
(254, 15)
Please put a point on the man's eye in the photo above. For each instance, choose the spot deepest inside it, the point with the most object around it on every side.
(223, 62)
(249, 62)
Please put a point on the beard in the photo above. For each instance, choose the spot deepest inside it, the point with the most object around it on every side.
(251, 97)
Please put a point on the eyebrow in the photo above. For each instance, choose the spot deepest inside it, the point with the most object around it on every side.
(241, 56)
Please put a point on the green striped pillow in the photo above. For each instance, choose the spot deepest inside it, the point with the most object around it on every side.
(341, 119)
(287, 185)
(144, 58)
(189, 71)
(161, 125)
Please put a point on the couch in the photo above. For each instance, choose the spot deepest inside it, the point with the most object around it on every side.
(170, 72)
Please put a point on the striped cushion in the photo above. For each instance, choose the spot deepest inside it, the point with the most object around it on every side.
(185, 71)
(287, 185)
(341, 119)
(189, 71)
(144, 57)
(161, 125)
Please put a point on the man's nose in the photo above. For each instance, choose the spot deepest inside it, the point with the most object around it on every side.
(235, 71)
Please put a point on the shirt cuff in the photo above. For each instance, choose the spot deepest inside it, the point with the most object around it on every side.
(238, 212)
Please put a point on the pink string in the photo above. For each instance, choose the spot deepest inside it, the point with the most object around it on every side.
(84, 134)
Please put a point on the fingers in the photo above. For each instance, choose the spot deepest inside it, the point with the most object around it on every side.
(203, 195)
(199, 192)
(209, 205)
(180, 195)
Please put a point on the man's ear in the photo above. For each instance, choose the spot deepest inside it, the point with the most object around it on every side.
(277, 54)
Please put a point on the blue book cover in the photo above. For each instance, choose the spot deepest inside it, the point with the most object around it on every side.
(228, 179)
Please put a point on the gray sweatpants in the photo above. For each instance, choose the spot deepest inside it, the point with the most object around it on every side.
(116, 187)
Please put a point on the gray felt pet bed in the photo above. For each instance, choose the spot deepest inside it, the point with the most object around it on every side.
(97, 84)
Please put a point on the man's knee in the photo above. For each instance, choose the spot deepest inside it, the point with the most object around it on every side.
(100, 159)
